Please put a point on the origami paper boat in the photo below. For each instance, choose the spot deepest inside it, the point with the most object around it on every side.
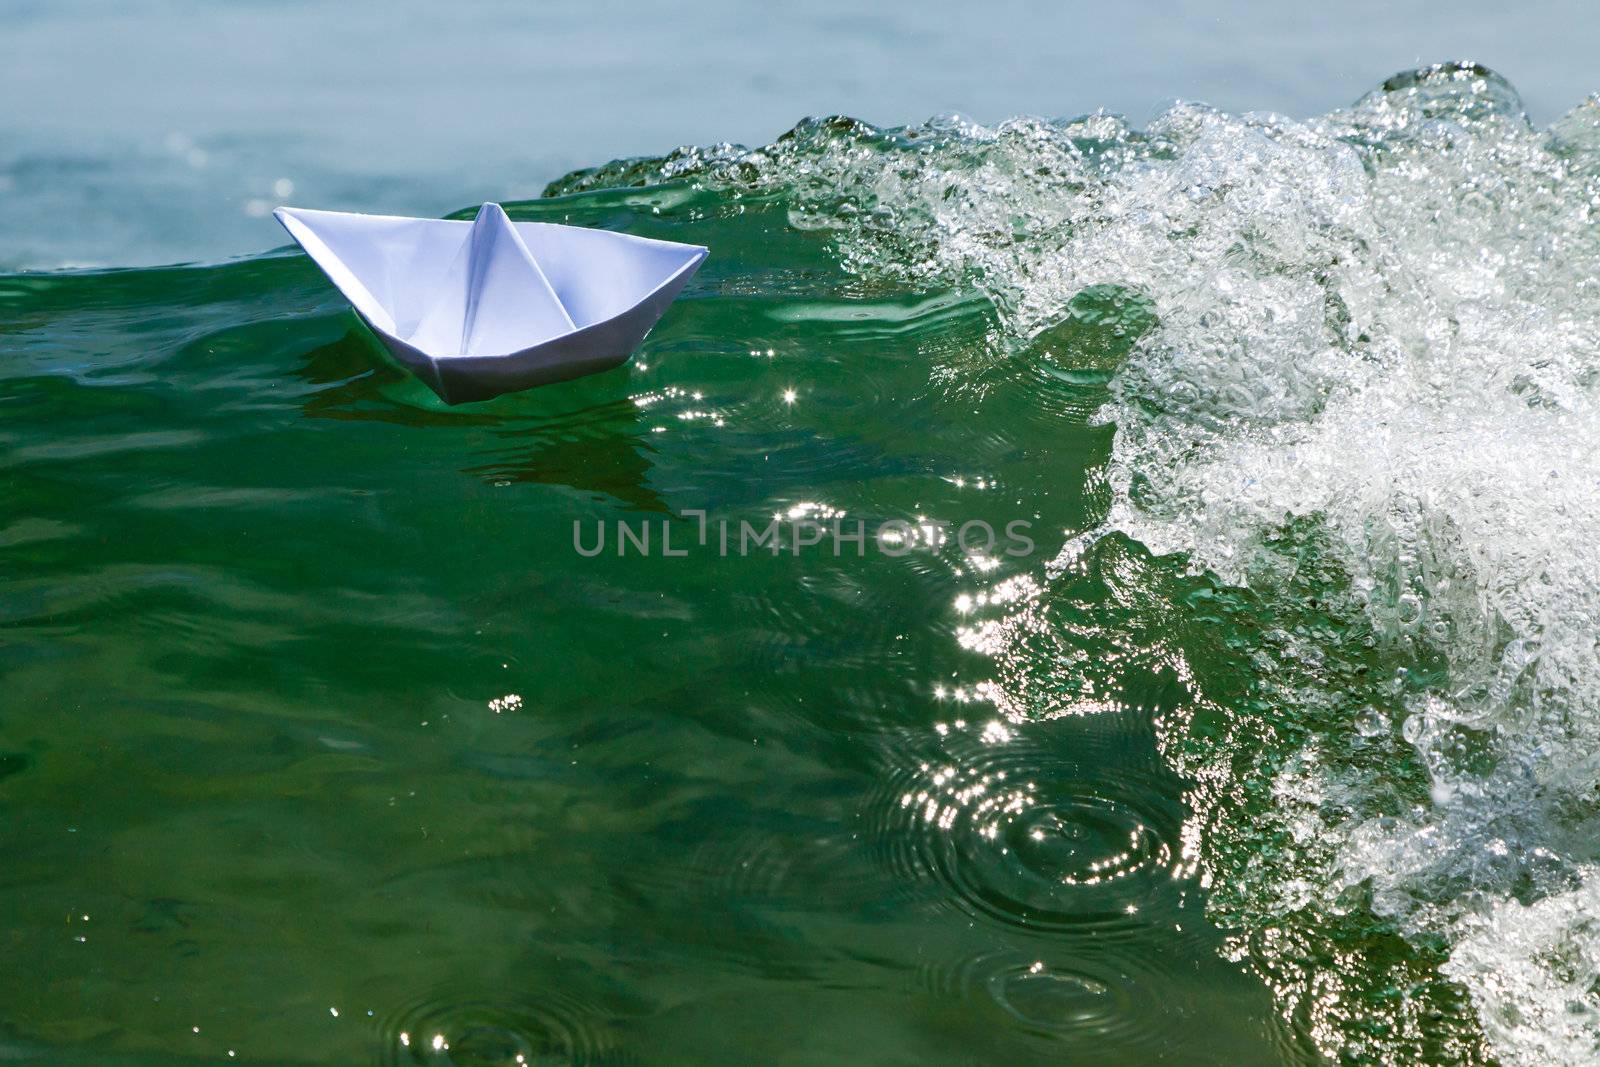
(477, 309)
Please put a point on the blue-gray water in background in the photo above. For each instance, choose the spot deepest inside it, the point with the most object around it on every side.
(162, 132)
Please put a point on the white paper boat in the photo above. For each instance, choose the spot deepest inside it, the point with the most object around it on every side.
(477, 309)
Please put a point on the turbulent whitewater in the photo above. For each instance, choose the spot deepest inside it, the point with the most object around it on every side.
(1365, 403)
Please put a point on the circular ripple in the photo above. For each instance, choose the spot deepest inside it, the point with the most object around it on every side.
(1024, 837)
(1117, 1003)
(1084, 840)
(546, 1030)
(1057, 1001)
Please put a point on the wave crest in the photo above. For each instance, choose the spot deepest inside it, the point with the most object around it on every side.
(1374, 358)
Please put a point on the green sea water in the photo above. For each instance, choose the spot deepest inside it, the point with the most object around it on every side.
(322, 742)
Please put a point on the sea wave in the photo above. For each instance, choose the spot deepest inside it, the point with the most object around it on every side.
(1358, 399)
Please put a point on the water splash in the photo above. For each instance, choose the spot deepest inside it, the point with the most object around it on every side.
(1368, 400)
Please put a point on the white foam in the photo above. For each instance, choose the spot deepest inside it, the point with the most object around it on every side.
(1385, 322)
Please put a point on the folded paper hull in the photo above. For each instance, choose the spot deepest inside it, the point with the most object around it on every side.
(601, 347)
(489, 307)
